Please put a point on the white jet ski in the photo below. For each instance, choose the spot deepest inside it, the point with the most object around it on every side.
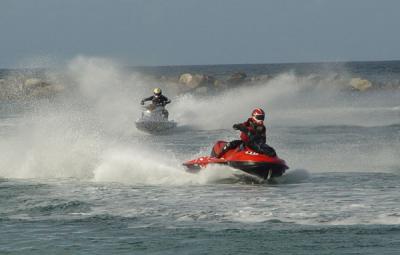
(154, 119)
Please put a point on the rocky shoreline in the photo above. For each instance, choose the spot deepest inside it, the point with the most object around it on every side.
(28, 86)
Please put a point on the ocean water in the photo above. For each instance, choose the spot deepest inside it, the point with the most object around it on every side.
(76, 177)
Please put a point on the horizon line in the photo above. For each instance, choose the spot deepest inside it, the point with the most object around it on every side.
(229, 64)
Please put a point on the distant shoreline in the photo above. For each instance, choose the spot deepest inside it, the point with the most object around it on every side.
(276, 63)
(216, 65)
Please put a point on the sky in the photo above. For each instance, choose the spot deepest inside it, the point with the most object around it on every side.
(190, 32)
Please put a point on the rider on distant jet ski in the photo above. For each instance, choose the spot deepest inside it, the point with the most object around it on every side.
(158, 99)
(252, 135)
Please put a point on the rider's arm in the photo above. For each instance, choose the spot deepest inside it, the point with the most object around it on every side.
(263, 139)
(166, 100)
(147, 99)
(240, 127)
(264, 136)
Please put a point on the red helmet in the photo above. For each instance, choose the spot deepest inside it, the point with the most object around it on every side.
(258, 116)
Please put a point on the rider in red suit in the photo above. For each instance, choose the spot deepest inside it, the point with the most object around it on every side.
(252, 135)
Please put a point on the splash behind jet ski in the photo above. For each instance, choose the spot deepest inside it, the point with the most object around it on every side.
(242, 158)
(154, 119)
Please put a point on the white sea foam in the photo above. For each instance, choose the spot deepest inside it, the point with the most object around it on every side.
(89, 133)
(145, 166)
(291, 101)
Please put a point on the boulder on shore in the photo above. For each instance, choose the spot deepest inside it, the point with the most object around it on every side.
(360, 84)
(193, 81)
(34, 83)
(190, 81)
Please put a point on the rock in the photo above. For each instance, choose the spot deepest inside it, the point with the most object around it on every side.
(34, 87)
(360, 84)
(196, 80)
(189, 80)
(185, 78)
(32, 84)
(46, 91)
(237, 78)
(20, 89)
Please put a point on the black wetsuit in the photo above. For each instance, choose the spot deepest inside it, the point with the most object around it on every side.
(158, 101)
(252, 136)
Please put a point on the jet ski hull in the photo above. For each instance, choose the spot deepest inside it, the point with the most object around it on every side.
(154, 119)
(155, 126)
(244, 159)
(259, 169)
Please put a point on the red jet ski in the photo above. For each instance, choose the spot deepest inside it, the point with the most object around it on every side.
(242, 158)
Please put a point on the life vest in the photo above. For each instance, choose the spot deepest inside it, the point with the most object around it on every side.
(257, 133)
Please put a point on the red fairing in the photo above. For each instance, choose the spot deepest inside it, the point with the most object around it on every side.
(241, 158)
(245, 154)
(204, 161)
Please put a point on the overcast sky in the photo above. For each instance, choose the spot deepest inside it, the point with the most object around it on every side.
(182, 32)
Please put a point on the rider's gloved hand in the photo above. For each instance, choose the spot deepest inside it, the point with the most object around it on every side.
(236, 126)
(142, 102)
